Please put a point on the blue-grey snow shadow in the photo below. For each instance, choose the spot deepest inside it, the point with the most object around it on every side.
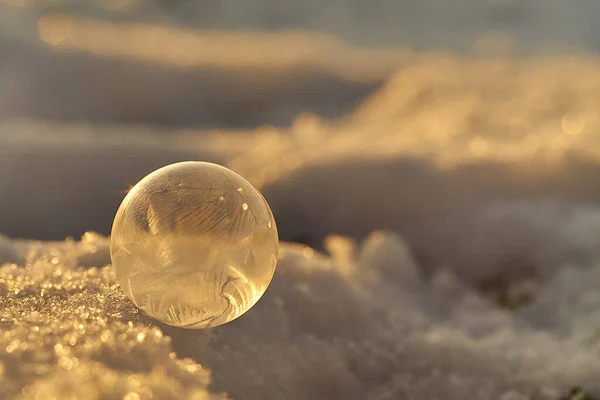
(52, 192)
(35, 82)
(476, 218)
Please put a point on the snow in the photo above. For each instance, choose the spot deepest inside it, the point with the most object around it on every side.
(363, 323)
(441, 230)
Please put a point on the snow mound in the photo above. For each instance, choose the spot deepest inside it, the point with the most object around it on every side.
(360, 323)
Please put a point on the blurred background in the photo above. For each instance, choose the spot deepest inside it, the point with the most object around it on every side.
(431, 105)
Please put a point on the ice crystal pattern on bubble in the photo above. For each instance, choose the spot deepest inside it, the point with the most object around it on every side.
(194, 245)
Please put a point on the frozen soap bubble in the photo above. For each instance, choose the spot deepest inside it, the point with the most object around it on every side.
(194, 245)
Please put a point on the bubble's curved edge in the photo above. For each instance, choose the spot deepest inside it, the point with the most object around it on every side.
(273, 230)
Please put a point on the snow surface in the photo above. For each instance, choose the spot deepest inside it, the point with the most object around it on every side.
(441, 230)
(360, 323)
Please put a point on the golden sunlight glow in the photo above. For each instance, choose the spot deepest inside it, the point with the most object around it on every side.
(189, 48)
(55, 31)
(478, 146)
(572, 125)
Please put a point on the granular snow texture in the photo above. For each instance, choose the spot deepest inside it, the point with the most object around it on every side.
(360, 323)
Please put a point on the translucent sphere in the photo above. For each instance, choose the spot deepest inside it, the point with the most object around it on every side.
(194, 245)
